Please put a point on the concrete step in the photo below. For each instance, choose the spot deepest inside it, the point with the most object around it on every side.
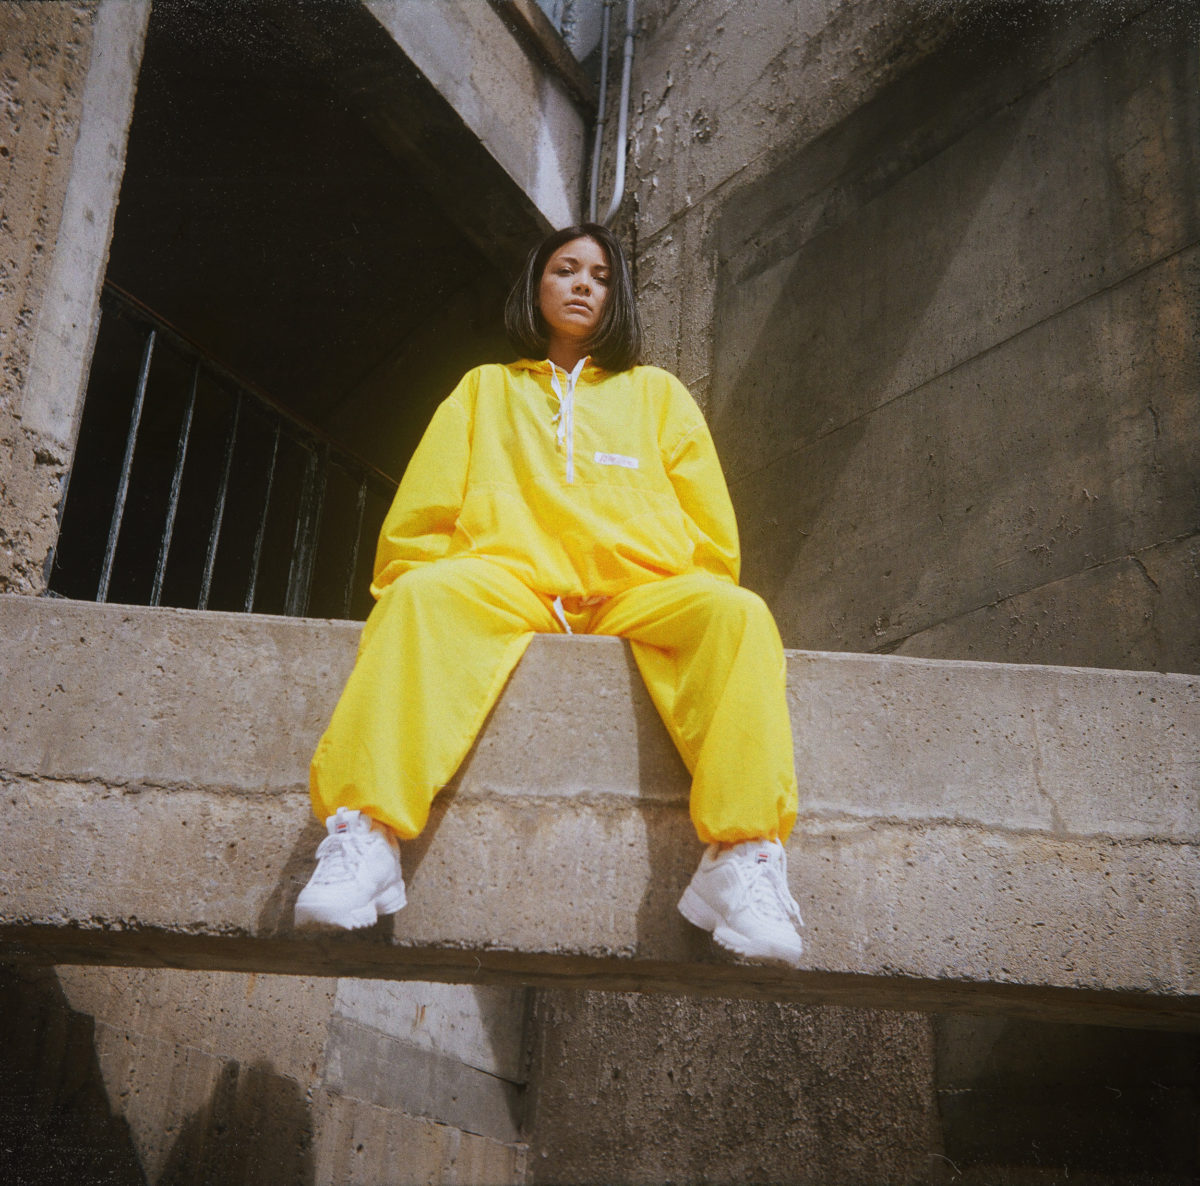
(985, 837)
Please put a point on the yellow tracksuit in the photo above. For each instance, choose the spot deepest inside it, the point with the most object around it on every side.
(541, 501)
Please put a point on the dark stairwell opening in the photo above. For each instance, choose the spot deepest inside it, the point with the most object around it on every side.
(309, 249)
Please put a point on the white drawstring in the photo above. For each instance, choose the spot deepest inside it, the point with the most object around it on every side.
(565, 419)
(557, 606)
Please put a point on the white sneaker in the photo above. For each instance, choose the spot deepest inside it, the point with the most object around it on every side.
(741, 895)
(357, 876)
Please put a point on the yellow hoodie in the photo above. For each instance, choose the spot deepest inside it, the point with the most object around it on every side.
(581, 484)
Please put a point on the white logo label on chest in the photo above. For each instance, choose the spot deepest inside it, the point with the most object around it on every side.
(616, 459)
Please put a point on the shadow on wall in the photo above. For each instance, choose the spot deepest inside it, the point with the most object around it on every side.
(907, 408)
(57, 1124)
(834, 274)
(255, 1130)
(1073, 1103)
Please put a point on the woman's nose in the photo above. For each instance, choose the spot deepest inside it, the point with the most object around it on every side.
(581, 284)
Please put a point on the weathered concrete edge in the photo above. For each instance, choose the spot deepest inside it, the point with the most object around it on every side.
(376, 956)
(955, 912)
(896, 880)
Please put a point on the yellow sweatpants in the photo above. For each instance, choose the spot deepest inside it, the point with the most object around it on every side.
(443, 639)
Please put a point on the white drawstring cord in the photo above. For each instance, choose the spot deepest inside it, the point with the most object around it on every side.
(565, 419)
(557, 606)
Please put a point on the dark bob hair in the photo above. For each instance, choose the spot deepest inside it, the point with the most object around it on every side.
(617, 344)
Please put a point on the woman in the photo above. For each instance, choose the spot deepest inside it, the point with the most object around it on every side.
(571, 491)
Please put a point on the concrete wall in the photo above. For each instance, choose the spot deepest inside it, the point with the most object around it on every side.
(933, 270)
(745, 118)
(182, 1074)
(45, 49)
(127, 1077)
(1056, 807)
(930, 269)
(956, 385)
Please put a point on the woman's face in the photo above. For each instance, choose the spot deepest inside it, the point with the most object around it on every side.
(573, 290)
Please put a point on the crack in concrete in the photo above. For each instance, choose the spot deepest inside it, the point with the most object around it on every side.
(617, 804)
(1137, 561)
(983, 828)
(1057, 823)
(997, 602)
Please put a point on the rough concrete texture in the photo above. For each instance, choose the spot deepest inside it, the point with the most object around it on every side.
(740, 161)
(754, 1094)
(1129, 613)
(682, 100)
(466, 51)
(44, 52)
(989, 493)
(172, 1077)
(721, 91)
(1013, 231)
(1013, 837)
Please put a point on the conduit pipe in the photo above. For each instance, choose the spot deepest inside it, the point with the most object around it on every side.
(600, 111)
(623, 117)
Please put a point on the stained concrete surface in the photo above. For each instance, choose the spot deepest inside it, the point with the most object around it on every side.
(730, 1093)
(751, 137)
(980, 818)
(44, 57)
(687, 110)
(126, 1077)
(1016, 239)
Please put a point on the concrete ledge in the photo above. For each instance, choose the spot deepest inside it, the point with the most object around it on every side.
(973, 836)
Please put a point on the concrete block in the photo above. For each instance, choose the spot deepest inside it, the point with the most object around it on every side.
(367, 1064)
(454, 1053)
(816, 1095)
(480, 1027)
(362, 1144)
(972, 836)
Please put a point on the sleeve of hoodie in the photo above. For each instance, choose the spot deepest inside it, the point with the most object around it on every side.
(699, 483)
(421, 521)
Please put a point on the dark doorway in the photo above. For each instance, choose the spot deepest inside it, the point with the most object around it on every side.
(284, 220)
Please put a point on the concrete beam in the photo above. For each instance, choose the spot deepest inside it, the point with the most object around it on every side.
(518, 109)
(973, 836)
(448, 91)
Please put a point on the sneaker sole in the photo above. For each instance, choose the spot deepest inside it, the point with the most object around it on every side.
(700, 914)
(387, 901)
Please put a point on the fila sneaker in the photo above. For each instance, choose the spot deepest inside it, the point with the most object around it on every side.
(357, 876)
(741, 895)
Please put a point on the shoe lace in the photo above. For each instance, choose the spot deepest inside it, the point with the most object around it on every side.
(769, 894)
(336, 858)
